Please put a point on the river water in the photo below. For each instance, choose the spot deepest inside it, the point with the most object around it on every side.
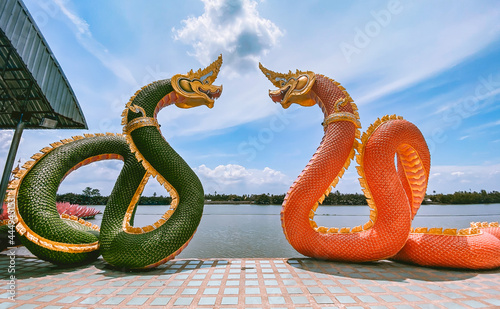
(254, 231)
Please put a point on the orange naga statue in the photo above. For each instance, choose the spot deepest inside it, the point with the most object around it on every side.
(394, 194)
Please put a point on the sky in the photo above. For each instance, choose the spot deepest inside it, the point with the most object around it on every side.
(434, 63)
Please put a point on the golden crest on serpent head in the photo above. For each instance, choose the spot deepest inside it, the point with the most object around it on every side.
(293, 87)
(196, 87)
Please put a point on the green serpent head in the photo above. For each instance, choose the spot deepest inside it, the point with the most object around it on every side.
(293, 87)
(195, 88)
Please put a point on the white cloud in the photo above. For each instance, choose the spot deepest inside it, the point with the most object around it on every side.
(483, 127)
(472, 177)
(406, 50)
(85, 38)
(446, 43)
(230, 178)
(226, 174)
(231, 27)
(233, 178)
(99, 175)
(5, 140)
(81, 25)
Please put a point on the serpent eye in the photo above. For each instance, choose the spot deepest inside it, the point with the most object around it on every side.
(301, 82)
(185, 84)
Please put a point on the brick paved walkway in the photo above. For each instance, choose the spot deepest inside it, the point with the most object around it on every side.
(248, 283)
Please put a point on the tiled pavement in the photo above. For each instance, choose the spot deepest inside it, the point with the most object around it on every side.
(247, 283)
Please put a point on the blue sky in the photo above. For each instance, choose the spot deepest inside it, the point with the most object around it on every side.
(434, 63)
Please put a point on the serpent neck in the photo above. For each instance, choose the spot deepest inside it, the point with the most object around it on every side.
(331, 96)
(323, 168)
(149, 101)
(161, 161)
(327, 93)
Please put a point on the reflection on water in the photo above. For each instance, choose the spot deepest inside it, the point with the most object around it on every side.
(251, 231)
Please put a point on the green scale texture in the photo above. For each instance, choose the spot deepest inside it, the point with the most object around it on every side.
(37, 193)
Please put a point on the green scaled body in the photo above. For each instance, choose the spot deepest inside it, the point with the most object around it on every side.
(35, 196)
(127, 250)
(145, 153)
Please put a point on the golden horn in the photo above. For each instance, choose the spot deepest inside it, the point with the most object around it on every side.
(274, 77)
(278, 78)
(210, 72)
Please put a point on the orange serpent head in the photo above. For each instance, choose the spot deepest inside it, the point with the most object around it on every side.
(292, 87)
(195, 88)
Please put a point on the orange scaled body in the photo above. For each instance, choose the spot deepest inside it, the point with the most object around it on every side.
(394, 194)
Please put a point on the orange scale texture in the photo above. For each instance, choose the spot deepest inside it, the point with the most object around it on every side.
(393, 192)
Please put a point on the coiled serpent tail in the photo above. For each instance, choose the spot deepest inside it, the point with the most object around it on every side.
(65, 240)
(393, 194)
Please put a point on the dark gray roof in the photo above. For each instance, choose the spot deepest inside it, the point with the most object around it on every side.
(31, 80)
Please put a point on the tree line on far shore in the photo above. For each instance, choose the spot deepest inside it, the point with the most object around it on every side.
(464, 197)
(90, 196)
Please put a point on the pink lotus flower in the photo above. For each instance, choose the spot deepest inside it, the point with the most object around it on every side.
(63, 208)
(83, 212)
